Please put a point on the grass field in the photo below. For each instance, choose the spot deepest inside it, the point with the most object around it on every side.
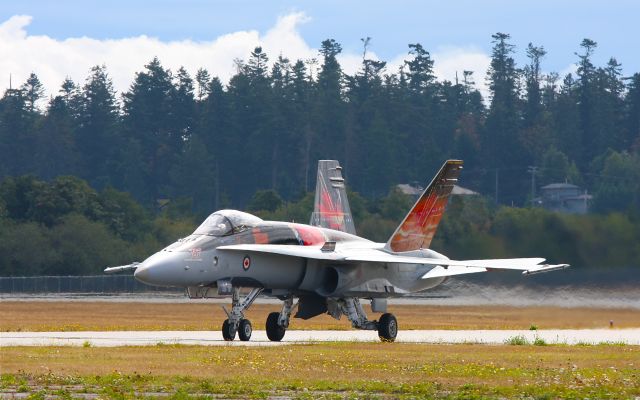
(321, 370)
(79, 316)
(332, 370)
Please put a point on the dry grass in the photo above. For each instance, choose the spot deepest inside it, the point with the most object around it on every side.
(81, 316)
(379, 369)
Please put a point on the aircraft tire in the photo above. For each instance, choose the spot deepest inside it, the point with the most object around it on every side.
(228, 333)
(275, 332)
(244, 330)
(387, 327)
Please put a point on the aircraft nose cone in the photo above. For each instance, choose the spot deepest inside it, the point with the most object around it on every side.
(158, 270)
(142, 273)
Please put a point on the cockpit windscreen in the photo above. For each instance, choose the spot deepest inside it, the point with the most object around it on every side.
(214, 225)
(227, 222)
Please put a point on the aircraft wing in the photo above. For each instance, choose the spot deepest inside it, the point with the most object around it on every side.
(443, 267)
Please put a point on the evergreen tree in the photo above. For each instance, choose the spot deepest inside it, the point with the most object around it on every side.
(537, 130)
(501, 140)
(253, 116)
(608, 107)
(184, 104)
(33, 91)
(632, 113)
(302, 90)
(420, 115)
(566, 115)
(193, 177)
(470, 117)
(55, 145)
(365, 125)
(97, 138)
(586, 107)
(214, 131)
(154, 124)
(16, 134)
(194, 139)
(420, 67)
(328, 116)
(203, 79)
(532, 73)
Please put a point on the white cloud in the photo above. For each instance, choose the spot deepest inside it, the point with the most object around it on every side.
(570, 69)
(53, 60)
(450, 60)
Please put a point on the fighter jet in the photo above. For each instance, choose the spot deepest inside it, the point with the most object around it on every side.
(323, 267)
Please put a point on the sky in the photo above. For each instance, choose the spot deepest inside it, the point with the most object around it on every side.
(65, 38)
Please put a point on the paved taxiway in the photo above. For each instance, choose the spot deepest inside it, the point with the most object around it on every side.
(259, 338)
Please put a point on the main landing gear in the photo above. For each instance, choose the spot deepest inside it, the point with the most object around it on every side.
(235, 322)
(387, 325)
(278, 322)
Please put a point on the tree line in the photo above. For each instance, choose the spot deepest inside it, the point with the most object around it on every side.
(64, 227)
(174, 136)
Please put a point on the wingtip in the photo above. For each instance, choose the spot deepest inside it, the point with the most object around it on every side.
(546, 268)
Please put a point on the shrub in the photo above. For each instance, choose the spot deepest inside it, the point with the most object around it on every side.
(518, 340)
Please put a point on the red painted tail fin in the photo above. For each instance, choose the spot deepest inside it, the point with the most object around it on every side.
(331, 204)
(418, 227)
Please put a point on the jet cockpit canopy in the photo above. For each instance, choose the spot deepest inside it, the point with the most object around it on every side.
(227, 222)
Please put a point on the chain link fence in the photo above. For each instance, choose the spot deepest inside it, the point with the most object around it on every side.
(77, 284)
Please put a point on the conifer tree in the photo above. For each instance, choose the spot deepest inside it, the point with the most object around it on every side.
(97, 137)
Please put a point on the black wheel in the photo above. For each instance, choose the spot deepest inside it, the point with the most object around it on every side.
(228, 333)
(388, 327)
(275, 332)
(244, 330)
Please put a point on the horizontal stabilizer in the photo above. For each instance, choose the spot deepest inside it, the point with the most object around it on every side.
(439, 271)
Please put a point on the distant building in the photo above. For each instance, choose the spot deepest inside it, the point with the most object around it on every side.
(460, 191)
(565, 198)
(410, 189)
(416, 190)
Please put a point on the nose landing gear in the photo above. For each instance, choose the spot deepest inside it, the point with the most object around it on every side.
(235, 322)
(244, 330)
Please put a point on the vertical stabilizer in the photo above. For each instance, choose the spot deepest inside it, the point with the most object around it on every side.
(331, 207)
(418, 227)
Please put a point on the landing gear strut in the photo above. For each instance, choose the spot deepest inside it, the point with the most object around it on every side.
(387, 326)
(235, 322)
(278, 322)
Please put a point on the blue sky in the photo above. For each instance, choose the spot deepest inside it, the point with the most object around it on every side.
(442, 27)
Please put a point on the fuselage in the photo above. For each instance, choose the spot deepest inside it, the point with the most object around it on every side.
(195, 261)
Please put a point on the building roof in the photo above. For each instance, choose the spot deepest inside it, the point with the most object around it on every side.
(560, 186)
(406, 188)
(417, 191)
(459, 190)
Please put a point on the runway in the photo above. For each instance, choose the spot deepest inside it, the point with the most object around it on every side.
(259, 338)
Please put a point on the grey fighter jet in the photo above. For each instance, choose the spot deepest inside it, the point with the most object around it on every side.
(324, 265)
